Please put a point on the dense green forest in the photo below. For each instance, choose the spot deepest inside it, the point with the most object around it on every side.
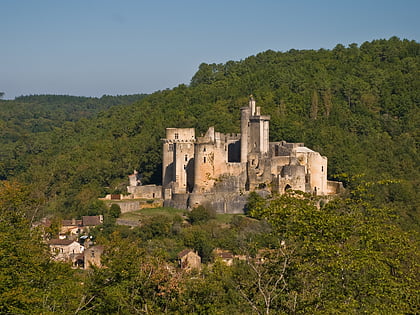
(357, 105)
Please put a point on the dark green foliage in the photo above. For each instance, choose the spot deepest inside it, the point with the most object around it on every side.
(200, 215)
(359, 106)
(114, 211)
(346, 255)
(356, 105)
(29, 281)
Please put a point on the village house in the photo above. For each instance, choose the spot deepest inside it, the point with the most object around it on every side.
(92, 256)
(65, 250)
(224, 256)
(73, 228)
(189, 260)
(91, 221)
(70, 228)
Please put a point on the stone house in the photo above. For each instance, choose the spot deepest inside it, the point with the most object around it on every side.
(189, 260)
(92, 221)
(224, 255)
(65, 250)
(92, 256)
(70, 227)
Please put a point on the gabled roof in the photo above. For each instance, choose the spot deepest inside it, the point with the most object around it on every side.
(184, 252)
(91, 220)
(58, 241)
(71, 222)
(224, 254)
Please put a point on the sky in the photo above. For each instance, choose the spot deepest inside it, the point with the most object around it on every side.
(110, 47)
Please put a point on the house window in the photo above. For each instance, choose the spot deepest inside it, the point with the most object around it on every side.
(170, 147)
(176, 135)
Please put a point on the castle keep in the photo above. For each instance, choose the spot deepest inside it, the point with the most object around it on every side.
(219, 170)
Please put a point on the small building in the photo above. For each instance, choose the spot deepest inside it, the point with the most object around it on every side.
(65, 250)
(92, 256)
(223, 255)
(70, 227)
(189, 260)
(92, 220)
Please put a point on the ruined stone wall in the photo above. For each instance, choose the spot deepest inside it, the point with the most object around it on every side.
(277, 162)
(220, 202)
(145, 192)
(291, 177)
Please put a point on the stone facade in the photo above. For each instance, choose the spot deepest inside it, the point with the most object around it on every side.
(189, 260)
(92, 256)
(65, 250)
(218, 170)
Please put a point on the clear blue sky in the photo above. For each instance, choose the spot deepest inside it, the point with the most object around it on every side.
(96, 47)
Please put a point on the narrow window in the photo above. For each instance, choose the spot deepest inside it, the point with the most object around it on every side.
(176, 135)
(204, 150)
(204, 159)
(186, 157)
(322, 168)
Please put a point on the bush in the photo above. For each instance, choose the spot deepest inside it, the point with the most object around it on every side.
(200, 215)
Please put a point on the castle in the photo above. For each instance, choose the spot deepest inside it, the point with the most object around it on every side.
(219, 170)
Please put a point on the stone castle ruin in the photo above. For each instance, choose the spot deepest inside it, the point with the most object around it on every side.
(219, 170)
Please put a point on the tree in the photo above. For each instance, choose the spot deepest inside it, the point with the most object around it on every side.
(115, 211)
(30, 282)
(262, 283)
(200, 214)
(345, 255)
(132, 282)
(314, 105)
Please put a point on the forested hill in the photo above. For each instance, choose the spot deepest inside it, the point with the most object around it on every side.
(38, 113)
(357, 105)
(26, 121)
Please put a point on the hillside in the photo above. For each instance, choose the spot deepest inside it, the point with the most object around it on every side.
(359, 106)
(356, 254)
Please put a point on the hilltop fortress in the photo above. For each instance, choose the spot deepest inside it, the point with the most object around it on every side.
(219, 170)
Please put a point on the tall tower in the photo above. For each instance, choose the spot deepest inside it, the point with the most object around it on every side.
(245, 114)
(178, 150)
(254, 130)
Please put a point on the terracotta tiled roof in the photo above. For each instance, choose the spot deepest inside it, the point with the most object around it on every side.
(60, 242)
(91, 220)
(184, 252)
(71, 222)
(225, 255)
